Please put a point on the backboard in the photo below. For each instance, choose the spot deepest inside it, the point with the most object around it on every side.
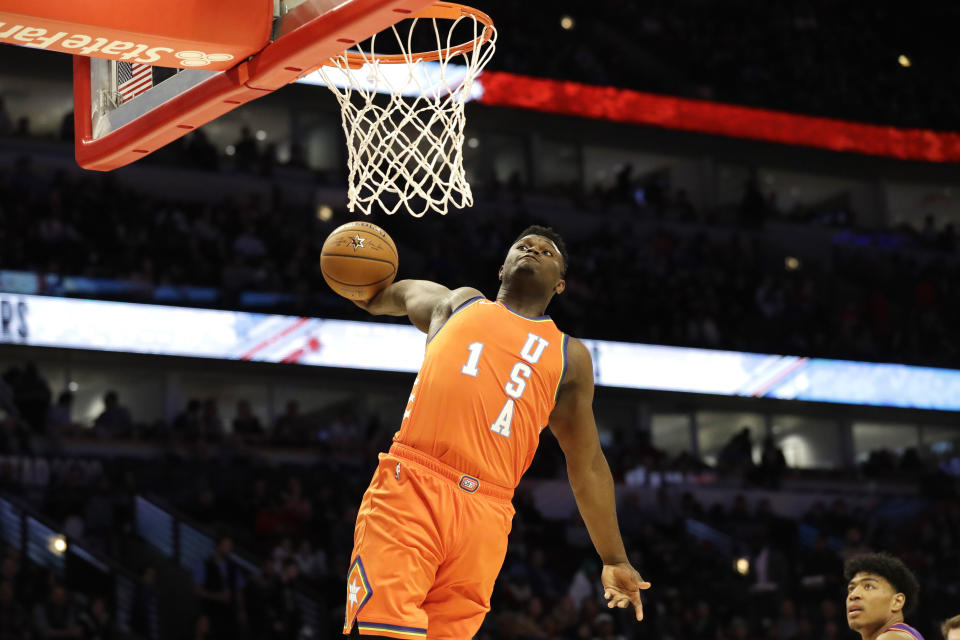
(226, 53)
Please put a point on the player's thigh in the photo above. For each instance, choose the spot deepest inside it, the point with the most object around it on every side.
(397, 551)
(460, 597)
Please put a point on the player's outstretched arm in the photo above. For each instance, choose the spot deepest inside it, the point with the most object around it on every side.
(427, 303)
(573, 424)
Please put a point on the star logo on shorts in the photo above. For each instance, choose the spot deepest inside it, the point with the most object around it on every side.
(358, 593)
(357, 242)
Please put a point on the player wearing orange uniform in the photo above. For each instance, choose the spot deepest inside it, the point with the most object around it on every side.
(432, 529)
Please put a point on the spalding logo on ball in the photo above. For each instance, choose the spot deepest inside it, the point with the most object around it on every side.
(358, 260)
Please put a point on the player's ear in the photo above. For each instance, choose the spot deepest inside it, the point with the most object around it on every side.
(500, 274)
(561, 287)
(898, 601)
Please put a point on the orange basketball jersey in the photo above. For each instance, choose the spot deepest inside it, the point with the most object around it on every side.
(488, 383)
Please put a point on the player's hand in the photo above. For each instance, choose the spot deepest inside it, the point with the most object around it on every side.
(363, 304)
(622, 585)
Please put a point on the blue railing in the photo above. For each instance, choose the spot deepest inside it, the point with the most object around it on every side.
(189, 545)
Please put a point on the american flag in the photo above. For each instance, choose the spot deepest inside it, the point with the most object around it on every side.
(133, 79)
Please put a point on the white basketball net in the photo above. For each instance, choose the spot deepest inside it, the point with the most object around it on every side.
(404, 121)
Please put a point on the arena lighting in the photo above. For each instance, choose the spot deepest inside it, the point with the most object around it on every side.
(72, 386)
(567, 23)
(791, 263)
(324, 212)
(57, 545)
(230, 150)
(741, 566)
(261, 135)
(903, 60)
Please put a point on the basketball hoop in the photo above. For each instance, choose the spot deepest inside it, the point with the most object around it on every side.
(405, 148)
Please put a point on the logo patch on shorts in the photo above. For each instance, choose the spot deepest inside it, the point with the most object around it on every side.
(358, 592)
(469, 483)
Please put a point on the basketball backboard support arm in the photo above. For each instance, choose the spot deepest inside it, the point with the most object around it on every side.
(305, 38)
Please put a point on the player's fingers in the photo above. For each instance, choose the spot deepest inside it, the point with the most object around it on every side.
(637, 603)
(607, 594)
(644, 585)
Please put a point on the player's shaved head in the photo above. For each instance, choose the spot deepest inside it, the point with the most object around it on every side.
(549, 234)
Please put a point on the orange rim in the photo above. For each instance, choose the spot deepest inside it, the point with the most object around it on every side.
(442, 10)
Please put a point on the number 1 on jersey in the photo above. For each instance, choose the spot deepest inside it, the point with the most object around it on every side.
(470, 368)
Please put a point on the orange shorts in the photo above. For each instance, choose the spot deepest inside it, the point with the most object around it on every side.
(428, 546)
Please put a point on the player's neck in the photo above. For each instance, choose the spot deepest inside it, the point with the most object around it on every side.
(522, 302)
(875, 632)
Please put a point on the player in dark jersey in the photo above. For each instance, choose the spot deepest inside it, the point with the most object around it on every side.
(880, 591)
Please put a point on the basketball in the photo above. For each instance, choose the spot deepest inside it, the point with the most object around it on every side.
(358, 260)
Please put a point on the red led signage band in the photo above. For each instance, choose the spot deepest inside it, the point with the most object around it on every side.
(635, 107)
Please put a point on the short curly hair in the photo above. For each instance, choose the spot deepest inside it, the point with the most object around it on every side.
(890, 569)
(549, 234)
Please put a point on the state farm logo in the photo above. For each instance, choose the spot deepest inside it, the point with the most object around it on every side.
(201, 59)
(105, 47)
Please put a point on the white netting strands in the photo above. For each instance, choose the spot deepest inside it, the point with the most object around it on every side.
(403, 113)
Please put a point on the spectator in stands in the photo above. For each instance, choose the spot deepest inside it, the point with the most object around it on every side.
(66, 133)
(216, 585)
(211, 422)
(187, 423)
(10, 571)
(259, 597)
(115, 420)
(343, 433)
(951, 628)
(312, 562)
(59, 416)
(143, 611)
(6, 123)
(737, 455)
(248, 244)
(56, 617)
(246, 153)
(14, 624)
(99, 516)
(202, 629)
(23, 127)
(96, 621)
(203, 154)
(772, 464)
(291, 428)
(31, 393)
(14, 436)
(285, 619)
(246, 425)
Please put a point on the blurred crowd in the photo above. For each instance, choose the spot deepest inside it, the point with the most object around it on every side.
(742, 572)
(36, 605)
(676, 279)
(31, 421)
(814, 57)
